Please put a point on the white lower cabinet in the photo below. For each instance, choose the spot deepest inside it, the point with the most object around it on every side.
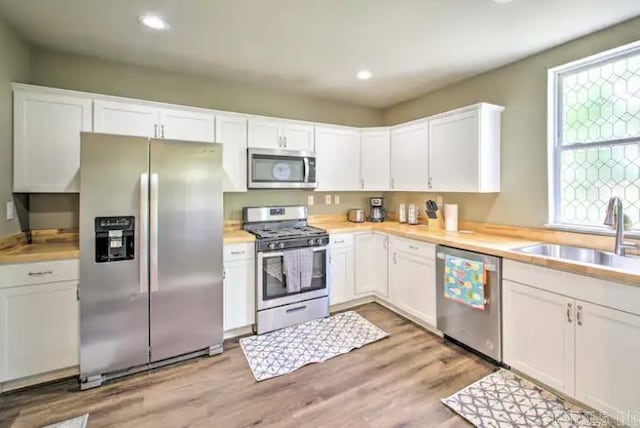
(38, 329)
(239, 286)
(538, 334)
(371, 269)
(607, 363)
(579, 347)
(412, 278)
(341, 268)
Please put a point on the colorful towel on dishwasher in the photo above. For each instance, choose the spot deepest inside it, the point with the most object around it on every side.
(464, 281)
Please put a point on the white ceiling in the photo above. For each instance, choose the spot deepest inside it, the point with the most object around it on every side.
(316, 46)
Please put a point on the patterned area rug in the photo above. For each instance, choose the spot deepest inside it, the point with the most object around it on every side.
(77, 422)
(283, 351)
(503, 399)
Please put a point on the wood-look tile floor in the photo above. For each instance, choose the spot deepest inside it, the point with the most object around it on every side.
(396, 382)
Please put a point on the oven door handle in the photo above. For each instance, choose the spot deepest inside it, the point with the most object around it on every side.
(306, 169)
(267, 255)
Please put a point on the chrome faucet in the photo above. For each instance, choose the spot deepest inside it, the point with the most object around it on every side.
(615, 219)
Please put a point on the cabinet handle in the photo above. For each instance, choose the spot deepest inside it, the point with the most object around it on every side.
(41, 273)
(413, 247)
(429, 183)
(579, 315)
(224, 274)
(162, 131)
(285, 141)
(155, 130)
(385, 243)
(339, 242)
(395, 258)
(393, 183)
(362, 183)
(569, 310)
(236, 253)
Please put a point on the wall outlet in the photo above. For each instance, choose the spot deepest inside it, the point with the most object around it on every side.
(327, 199)
(336, 199)
(10, 210)
(439, 201)
(309, 200)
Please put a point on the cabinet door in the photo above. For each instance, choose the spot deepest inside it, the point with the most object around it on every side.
(371, 264)
(338, 159)
(607, 359)
(231, 131)
(239, 294)
(412, 285)
(298, 136)
(176, 124)
(454, 161)
(138, 120)
(538, 329)
(375, 162)
(409, 163)
(342, 278)
(47, 131)
(38, 329)
(264, 134)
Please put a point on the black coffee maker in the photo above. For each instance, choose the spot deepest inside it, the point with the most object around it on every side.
(377, 212)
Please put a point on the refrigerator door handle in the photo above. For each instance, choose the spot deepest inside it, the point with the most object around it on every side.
(144, 233)
(153, 233)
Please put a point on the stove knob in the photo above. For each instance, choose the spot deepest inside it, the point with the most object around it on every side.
(272, 246)
(312, 241)
(281, 245)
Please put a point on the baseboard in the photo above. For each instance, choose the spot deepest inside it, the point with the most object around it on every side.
(427, 326)
(236, 332)
(351, 303)
(39, 379)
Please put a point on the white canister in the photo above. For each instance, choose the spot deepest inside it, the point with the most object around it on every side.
(412, 214)
(451, 217)
(402, 213)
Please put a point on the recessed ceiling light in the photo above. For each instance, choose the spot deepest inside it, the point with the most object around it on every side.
(154, 22)
(364, 75)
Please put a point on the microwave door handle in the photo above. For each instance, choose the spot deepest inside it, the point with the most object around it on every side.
(306, 169)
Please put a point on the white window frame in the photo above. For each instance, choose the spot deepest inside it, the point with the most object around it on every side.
(554, 149)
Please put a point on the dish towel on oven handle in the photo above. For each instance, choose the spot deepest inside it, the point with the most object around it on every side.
(464, 281)
(291, 268)
(306, 267)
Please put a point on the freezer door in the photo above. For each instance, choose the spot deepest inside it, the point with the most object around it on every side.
(185, 247)
(114, 304)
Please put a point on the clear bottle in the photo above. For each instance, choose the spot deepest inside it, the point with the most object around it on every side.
(402, 213)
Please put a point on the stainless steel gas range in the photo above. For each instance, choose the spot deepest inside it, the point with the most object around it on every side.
(292, 266)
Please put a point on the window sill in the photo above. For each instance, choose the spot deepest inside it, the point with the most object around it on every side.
(594, 230)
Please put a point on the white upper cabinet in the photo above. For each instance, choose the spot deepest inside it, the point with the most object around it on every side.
(46, 132)
(409, 157)
(149, 120)
(231, 131)
(375, 159)
(298, 136)
(182, 124)
(338, 158)
(265, 133)
(139, 120)
(464, 150)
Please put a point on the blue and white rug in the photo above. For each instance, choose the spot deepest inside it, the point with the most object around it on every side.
(503, 399)
(283, 351)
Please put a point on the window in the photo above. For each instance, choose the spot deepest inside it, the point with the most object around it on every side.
(594, 138)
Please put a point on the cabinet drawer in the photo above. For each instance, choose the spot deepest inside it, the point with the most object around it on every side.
(38, 273)
(422, 249)
(341, 240)
(239, 252)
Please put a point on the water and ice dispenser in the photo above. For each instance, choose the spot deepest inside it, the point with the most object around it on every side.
(114, 239)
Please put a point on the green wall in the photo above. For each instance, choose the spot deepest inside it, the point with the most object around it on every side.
(14, 66)
(522, 88)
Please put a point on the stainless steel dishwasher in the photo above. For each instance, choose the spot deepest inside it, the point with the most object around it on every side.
(478, 329)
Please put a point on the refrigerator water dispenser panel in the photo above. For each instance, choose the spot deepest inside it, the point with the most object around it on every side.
(114, 239)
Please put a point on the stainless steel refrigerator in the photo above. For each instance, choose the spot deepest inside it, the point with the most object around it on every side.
(150, 254)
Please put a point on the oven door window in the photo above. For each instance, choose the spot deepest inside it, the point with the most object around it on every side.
(274, 280)
(269, 168)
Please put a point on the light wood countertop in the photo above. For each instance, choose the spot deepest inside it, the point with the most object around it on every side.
(493, 244)
(52, 245)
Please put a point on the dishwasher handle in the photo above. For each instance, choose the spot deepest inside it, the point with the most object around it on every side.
(487, 266)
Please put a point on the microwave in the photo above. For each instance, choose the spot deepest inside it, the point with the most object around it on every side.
(281, 169)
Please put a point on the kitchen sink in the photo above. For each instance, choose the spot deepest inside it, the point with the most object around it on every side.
(583, 255)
